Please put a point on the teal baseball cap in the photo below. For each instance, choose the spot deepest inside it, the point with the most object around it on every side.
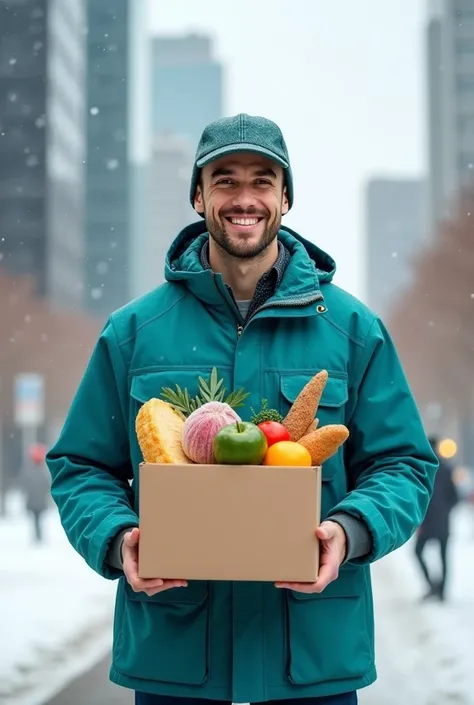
(242, 133)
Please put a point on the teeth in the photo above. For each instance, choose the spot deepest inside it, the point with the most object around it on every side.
(244, 221)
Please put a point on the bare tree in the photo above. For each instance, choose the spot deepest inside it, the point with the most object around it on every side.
(433, 323)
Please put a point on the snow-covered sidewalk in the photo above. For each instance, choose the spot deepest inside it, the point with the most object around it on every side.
(425, 650)
(55, 612)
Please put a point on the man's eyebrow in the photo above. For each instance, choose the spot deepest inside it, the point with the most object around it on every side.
(226, 171)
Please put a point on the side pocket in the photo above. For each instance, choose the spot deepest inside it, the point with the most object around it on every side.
(164, 637)
(330, 635)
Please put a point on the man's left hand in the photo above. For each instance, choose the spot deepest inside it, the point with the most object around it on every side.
(332, 552)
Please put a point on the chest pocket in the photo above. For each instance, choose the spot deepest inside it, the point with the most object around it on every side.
(148, 384)
(331, 408)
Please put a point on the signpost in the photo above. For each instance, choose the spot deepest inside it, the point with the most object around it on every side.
(29, 407)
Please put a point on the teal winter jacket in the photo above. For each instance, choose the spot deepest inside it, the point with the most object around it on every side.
(245, 641)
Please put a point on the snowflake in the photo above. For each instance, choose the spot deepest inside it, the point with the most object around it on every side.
(94, 111)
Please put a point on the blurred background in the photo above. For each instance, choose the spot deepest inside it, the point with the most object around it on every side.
(102, 103)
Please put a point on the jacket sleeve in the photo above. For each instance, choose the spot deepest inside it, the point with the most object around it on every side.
(389, 462)
(90, 463)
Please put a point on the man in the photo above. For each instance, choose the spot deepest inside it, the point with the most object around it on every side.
(255, 300)
(436, 525)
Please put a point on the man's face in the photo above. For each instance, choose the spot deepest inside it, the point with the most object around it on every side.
(243, 199)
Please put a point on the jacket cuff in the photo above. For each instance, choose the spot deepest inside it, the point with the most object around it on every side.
(358, 538)
(114, 555)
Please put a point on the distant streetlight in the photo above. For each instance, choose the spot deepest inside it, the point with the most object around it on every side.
(447, 448)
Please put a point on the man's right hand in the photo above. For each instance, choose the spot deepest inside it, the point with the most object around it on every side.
(151, 586)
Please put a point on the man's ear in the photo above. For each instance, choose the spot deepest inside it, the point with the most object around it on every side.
(198, 200)
(285, 206)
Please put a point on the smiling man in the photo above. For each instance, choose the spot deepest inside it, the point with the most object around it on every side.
(256, 300)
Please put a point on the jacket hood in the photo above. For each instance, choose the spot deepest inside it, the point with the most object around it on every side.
(308, 261)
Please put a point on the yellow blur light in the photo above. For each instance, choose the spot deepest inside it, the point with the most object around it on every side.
(447, 448)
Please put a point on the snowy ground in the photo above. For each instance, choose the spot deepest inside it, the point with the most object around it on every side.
(424, 651)
(47, 634)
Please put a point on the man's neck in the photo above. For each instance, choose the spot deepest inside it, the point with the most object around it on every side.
(242, 276)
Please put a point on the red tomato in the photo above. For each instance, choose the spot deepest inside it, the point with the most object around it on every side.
(274, 432)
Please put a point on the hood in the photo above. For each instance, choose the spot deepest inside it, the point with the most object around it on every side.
(308, 269)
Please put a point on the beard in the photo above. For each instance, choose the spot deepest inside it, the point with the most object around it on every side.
(241, 248)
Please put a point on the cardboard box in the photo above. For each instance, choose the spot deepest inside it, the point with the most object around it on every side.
(225, 522)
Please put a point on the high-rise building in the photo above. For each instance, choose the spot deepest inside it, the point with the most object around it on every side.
(394, 234)
(450, 101)
(186, 95)
(42, 66)
(168, 209)
(116, 140)
(187, 88)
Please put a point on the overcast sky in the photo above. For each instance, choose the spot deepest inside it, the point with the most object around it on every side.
(344, 79)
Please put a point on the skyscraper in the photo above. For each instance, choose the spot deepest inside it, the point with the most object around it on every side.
(450, 82)
(394, 234)
(187, 85)
(42, 66)
(187, 90)
(166, 190)
(116, 111)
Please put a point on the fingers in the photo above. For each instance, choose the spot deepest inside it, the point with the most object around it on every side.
(152, 586)
(142, 585)
(167, 585)
(132, 537)
(327, 530)
(328, 572)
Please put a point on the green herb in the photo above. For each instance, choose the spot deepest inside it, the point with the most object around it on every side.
(211, 390)
(265, 414)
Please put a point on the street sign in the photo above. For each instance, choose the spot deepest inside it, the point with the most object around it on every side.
(29, 400)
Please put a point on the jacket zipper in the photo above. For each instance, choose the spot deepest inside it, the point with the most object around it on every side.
(292, 303)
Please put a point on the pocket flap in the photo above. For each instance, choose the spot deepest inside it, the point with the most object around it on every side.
(147, 385)
(335, 393)
(351, 582)
(194, 594)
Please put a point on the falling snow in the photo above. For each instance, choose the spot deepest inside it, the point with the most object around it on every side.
(94, 111)
(112, 164)
(96, 293)
(12, 62)
(32, 160)
(102, 268)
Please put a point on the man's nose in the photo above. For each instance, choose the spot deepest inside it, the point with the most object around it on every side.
(244, 198)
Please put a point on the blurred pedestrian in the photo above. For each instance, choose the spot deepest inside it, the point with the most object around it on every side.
(436, 525)
(35, 483)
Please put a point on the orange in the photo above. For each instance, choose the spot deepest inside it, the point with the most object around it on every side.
(287, 453)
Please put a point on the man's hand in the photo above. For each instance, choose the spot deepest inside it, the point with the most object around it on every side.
(333, 550)
(151, 586)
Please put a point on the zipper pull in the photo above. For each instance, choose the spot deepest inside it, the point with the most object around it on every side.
(239, 331)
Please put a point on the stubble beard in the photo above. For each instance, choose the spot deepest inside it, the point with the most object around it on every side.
(242, 250)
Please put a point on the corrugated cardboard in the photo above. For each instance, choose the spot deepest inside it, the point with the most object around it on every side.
(225, 522)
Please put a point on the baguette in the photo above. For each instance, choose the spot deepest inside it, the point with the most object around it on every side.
(324, 442)
(305, 406)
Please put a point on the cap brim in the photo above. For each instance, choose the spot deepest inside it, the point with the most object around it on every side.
(240, 147)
